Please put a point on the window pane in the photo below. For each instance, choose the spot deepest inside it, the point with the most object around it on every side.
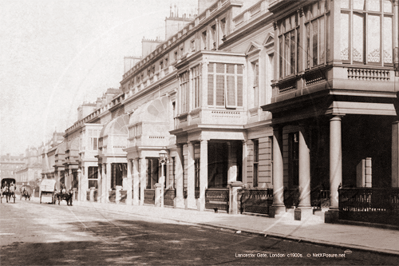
(308, 55)
(220, 90)
(358, 4)
(373, 39)
(387, 6)
(321, 46)
(94, 143)
(231, 91)
(322, 5)
(327, 38)
(298, 51)
(219, 68)
(387, 40)
(287, 54)
(292, 52)
(373, 5)
(240, 69)
(230, 68)
(344, 36)
(239, 90)
(210, 67)
(357, 50)
(315, 41)
(344, 3)
(281, 56)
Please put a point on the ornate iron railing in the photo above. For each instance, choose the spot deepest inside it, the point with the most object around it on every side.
(169, 197)
(123, 196)
(255, 200)
(196, 193)
(112, 196)
(374, 205)
(149, 196)
(217, 199)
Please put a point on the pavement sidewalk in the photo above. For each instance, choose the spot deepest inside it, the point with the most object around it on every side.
(312, 230)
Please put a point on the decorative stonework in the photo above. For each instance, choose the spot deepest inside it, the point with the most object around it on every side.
(368, 74)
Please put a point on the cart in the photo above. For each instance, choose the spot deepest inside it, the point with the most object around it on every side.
(47, 188)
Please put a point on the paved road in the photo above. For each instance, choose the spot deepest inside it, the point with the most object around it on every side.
(43, 234)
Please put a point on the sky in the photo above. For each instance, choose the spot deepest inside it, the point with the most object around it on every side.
(57, 54)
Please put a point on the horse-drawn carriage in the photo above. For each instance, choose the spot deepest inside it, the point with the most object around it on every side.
(8, 189)
(26, 192)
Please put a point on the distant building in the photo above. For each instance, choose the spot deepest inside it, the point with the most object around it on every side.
(32, 169)
(9, 165)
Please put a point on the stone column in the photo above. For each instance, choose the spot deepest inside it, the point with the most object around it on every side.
(335, 168)
(143, 168)
(179, 200)
(70, 178)
(232, 163)
(191, 204)
(108, 183)
(136, 181)
(304, 173)
(58, 185)
(395, 154)
(278, 172)
(129, 183)
(244, 162)
(103, 182)
(203, 173)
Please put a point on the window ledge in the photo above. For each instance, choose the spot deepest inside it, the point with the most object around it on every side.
(195, 111)
(180, 116)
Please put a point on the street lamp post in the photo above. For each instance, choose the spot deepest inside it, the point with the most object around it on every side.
(163, 158)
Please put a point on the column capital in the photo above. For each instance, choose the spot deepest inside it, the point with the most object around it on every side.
(336, 117)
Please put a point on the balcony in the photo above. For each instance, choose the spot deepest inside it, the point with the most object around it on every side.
(215, 117)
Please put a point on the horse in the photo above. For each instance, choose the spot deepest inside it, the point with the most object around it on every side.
(64, 195)
(11, 193)
(25, 194)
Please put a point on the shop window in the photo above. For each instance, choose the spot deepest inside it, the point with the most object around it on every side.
(366, 32)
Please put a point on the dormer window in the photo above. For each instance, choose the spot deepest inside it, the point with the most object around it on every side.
(204, 40)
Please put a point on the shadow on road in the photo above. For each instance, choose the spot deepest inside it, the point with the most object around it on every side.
(144, 242)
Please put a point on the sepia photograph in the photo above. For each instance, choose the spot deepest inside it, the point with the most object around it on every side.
(199, 132)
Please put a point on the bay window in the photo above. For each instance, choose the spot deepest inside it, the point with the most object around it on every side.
(313, 21)
(317, 23)
(288, 39)
(366, 32)
(225, 85)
